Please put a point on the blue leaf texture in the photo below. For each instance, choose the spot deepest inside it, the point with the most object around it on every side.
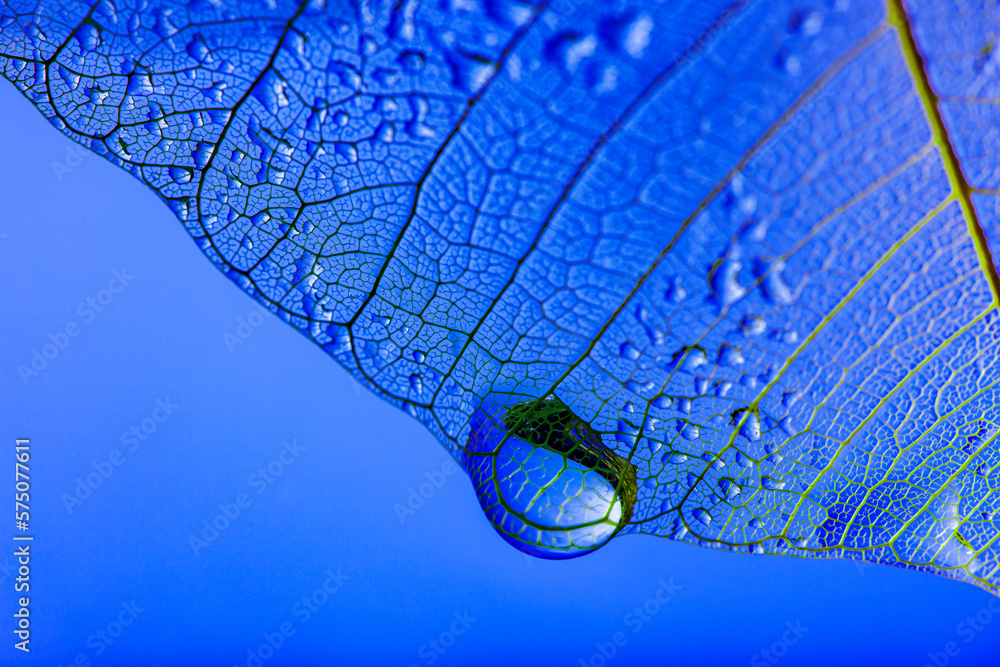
(746, 244)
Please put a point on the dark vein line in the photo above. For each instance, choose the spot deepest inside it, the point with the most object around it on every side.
(635, 106)
(771, 131)
(501, 61)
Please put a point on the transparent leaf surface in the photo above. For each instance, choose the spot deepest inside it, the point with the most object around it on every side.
(748, 243)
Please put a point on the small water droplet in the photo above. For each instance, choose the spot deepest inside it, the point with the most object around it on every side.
(676, 292)
(729, 488)
(806, 22)
(412, 61)
(773, 283)
(635, 36)
(603, 79)
(180, 174)
(202, 154)
(662, 402)
(639, 388)
(789, 63)
(629, 351)
(730, 356)
(385, 133)
(417, 127)
(386, 77)
(753, 325)
(347, 152)
(772, 484)
(271, 93)
(470, 72)
(789, 398)
(88, 36)
(688, 359)
(369, 46)
(687, 430)
(726, 289)
(627, 428)
(751, 428)
(569, 49)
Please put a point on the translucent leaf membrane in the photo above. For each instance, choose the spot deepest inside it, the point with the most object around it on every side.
(747, 245)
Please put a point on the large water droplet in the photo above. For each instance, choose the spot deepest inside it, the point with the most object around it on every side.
(545, 479)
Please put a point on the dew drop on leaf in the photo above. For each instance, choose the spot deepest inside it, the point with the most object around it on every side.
(546, 481)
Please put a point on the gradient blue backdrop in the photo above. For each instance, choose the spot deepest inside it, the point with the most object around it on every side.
(63, 232)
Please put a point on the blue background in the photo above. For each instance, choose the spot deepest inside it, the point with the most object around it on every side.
(335, 506)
